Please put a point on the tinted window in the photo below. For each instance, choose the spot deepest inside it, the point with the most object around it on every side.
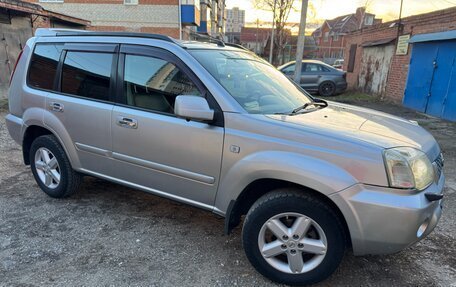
(87, 74)
(154, 84)
(43, 65)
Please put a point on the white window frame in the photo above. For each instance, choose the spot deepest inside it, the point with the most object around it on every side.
(131, 2)
(326, 37)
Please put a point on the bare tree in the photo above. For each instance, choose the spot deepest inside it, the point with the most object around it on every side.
(282, 12)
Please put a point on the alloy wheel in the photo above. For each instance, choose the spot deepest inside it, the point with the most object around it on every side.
(47, 168)
(292, 243)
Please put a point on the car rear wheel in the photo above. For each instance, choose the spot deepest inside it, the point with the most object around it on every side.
(327, 89)
(293, 238)
(52, 169)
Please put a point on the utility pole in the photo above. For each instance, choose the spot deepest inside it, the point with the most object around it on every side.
(301, 41)
(257, 48)
(399, 24)
(271, 49)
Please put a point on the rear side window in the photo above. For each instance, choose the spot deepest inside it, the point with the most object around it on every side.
(87, 74)
(43, 65)
(312, 68)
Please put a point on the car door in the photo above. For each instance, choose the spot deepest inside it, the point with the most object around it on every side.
(310, 76)
(154, 149)
(82, 101)
(289, 72)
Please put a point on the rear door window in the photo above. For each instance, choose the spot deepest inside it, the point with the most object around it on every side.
(312, 68)
(43, 65)
(87, 74)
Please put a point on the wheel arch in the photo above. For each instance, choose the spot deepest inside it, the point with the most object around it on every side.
(35, 130)
(256, 189)
(31, 133)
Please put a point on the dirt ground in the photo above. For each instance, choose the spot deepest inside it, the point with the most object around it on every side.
(111, 235)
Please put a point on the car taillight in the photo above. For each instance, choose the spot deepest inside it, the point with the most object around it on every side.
(15, 66)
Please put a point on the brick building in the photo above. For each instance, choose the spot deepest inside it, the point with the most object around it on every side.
(255, 39)
(18, 21)
(373, 62)
(330, 37)
(148, 16)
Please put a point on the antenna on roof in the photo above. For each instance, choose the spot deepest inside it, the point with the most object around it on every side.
(208, 39)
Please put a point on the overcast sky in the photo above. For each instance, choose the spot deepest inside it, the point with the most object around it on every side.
(327, 9)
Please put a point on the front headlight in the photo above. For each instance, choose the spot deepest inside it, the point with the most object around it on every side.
(408, 168)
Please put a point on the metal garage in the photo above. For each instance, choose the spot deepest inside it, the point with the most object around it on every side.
(375, 65)
(431, 84)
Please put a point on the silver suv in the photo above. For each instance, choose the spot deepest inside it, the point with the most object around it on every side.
(214, 126)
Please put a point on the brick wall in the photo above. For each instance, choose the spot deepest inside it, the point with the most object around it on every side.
(332, 47)
(438, 21)
(157, 16)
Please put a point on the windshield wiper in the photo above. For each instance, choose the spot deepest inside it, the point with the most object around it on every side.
(316, 103)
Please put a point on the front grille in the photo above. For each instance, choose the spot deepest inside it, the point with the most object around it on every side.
(438, 167)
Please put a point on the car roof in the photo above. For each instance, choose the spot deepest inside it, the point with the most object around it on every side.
(206, 43)
(306, 61)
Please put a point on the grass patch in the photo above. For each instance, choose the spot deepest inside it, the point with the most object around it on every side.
(3, 104)
(355, 97)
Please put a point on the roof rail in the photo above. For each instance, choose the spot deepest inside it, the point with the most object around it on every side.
(237, 46)
(51, 32)
(208, 39)
(43, 32)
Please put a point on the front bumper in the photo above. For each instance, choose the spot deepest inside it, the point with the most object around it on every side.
(385, 220)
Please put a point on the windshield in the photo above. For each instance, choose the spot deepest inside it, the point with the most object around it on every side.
(257, 86)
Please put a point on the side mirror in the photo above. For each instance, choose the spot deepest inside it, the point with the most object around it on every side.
(193, 108)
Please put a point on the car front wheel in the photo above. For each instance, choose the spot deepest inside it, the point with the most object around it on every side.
(293, 238)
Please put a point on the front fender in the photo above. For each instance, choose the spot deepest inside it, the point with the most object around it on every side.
(307, 171)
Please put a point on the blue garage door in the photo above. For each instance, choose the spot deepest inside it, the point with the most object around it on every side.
(431, 84)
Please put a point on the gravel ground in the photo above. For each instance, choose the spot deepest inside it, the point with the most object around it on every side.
(111, 235)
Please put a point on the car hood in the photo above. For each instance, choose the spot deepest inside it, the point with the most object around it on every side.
(362, 124)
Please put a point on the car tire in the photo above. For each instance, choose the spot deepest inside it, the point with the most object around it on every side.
(327, 89)
(52, 169)
(322, 233)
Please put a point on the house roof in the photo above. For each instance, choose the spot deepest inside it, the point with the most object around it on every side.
(378, 42)
(35, 9)
(341, 25)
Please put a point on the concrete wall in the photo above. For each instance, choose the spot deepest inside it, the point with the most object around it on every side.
(12, 39)
(438, 21)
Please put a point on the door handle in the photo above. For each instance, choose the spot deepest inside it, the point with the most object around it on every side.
(56, 107)
(127, 122)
